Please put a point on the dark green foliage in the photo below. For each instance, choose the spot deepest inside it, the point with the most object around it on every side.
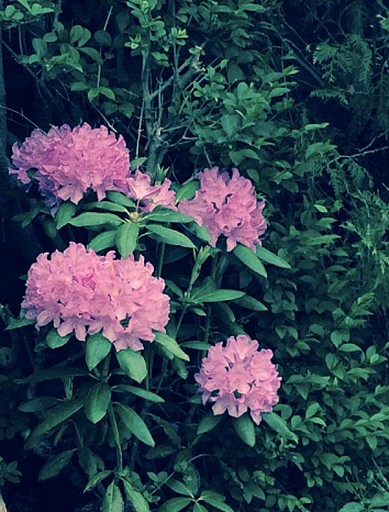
(296, 95)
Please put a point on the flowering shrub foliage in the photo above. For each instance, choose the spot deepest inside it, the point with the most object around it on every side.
(70, 162)
(112, 298)
(227, 206)
(238, 377)
(83, 292)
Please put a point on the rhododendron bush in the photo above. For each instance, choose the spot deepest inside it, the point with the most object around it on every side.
(141, 266)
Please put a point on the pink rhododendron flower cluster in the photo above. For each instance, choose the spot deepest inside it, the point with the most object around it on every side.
(70, 162)
(139, 188)
(227, 206)
(238, 378)
(82, 292)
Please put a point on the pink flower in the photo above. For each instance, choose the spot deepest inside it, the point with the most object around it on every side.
(138, 187)
(70, 162)
(82, 292)
(238, 378)
(227, 206)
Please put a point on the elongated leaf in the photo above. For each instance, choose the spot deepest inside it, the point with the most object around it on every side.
(278, 424)
(249, 258)
(166, 215)
(56, 372)
(103, 241)
(208, 423)
(142, 393)
(132, 363)
(135, 497)
(97, 402)
(64, 213)
(54, 417)
(97, 348)
(179, 487)
(126, 238)
(270, 257)
(175, 505)
(171, 344)
(251, 303)
(170, 236)
(18, 323)
(113, 500)
(54, 340)
(218, 296)
(216, 500)
(54, 466)
(95, 219)
(135, 424)
(119, 198)
(107, 205)
(188, 190)
(244, 427)
(197, 507)
(89, 461)
(195, 345)
(96, 479)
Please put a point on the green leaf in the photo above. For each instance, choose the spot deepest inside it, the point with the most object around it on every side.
(126, 238)
(95, 219)
(96, 479)
(187, 191)
(64, 213)
(54, 340)
(270, 257)
(76, 32)
(119, 198)
(54, 466)
(107, 205)
(132, 363)
(97, 348)
(175, 505)
(230, 124)
(217, 296)
(97, 402)
(171, 345)
(93, 54)
(353, 507)
(279, 425)
(56, 372)
(249, 258)
(195, 345)
(142, 393)
(197, 507)
(135, 497)
(20, 322)
(216, 500)
(55, 417)
(166, 215)
(349, 347)
(113, 500)
(178, 487)
(170, 236)
(135, 424)
(251, 303)
(244, 427)
(208, 423)
(103, 241)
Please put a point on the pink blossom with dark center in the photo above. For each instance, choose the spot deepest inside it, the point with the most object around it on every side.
(238, 378)
(85, 293)
(227, 206)
(69, 162)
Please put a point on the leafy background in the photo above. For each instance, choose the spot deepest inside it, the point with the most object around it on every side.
(296, 95)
